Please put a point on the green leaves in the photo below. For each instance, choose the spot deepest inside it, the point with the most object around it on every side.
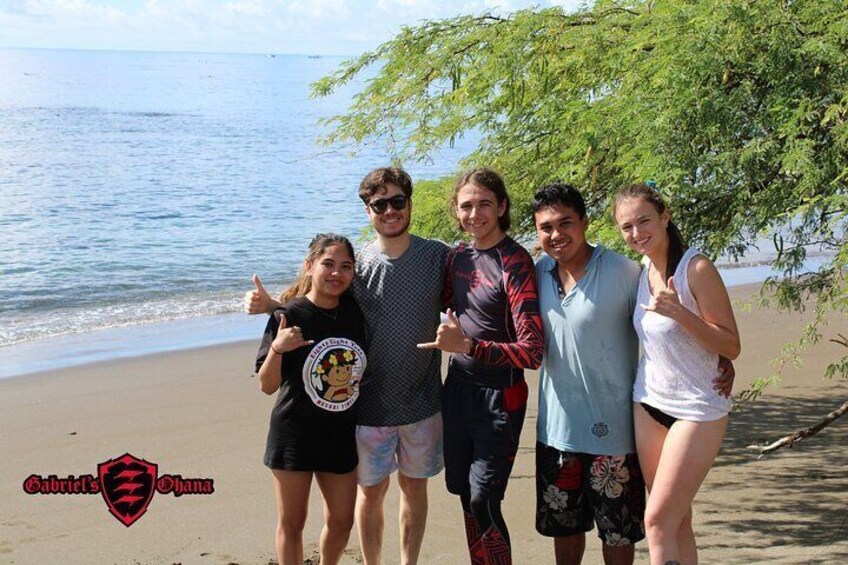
(737, 109)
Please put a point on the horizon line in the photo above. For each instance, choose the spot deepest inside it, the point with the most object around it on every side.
(165, 51)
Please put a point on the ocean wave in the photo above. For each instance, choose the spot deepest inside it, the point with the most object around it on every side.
(28, 326)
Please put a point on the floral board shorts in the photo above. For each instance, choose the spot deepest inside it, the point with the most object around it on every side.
(575, 489)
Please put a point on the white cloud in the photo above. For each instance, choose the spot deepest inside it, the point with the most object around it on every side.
(499, 5)
(279, 26)
(570, 5)
(388, 4)
(251, 8)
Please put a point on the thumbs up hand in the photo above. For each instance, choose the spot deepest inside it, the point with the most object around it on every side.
(449, 337)
(666, 302)
(258, 301)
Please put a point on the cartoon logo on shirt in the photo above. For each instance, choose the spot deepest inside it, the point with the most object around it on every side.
(332, 373)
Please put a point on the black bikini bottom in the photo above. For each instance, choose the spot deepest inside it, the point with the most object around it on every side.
(658, 415)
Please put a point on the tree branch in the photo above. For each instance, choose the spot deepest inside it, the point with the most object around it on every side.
(793, 438)
(841, 340)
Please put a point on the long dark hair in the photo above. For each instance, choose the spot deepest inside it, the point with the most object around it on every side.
(676, 244)
(489, 179)
(317, 247)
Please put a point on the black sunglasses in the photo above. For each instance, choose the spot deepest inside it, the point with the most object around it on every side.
(397, 202)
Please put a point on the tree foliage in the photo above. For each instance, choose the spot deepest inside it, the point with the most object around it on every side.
(736, 108)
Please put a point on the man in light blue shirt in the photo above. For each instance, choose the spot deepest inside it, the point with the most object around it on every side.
(586, 465)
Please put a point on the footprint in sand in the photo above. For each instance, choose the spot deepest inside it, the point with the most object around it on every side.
(15, 523)
(221, 556)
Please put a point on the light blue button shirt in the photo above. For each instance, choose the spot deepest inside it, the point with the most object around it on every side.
(591, 355)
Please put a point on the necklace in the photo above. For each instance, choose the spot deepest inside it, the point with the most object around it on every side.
(331, 314)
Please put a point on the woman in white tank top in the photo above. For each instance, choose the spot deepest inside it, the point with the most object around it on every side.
(685, 322)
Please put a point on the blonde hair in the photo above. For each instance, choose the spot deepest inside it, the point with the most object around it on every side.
(317, 247)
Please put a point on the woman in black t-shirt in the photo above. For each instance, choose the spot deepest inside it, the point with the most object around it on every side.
(313, 353)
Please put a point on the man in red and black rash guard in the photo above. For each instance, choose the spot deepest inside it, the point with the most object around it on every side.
(494, 296)
(495, 334)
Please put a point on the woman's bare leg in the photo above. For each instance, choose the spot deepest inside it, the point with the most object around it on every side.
(339, 502)
(292, 492)
(675, 463)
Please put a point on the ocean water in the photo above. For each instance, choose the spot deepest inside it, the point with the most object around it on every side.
(143, 187)
(140, 191)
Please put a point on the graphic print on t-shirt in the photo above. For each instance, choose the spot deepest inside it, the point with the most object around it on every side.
(332, 372)
(475, 279)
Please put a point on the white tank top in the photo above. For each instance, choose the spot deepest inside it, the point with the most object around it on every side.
(676, 372)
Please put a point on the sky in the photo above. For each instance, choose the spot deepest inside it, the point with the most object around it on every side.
(321, 27)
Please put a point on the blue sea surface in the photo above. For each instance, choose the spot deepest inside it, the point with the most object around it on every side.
(142, 187)
(139, 192)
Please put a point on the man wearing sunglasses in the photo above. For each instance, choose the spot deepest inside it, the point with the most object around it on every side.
(398, 284)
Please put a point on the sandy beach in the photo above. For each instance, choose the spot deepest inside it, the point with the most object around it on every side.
(199, 413)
